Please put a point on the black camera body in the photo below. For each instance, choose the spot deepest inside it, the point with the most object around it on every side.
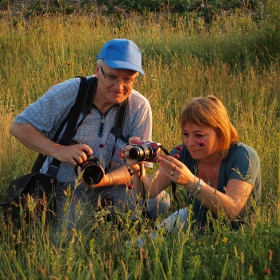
(145, 151)
(92, 167)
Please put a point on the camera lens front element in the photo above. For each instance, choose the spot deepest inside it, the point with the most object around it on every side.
(93, 172)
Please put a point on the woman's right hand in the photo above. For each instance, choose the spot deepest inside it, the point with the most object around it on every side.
(177, 172)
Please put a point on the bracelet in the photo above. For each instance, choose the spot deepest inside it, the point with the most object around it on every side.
(198, 187)
(110, 176)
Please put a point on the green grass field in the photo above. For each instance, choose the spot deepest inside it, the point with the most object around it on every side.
(235, 59)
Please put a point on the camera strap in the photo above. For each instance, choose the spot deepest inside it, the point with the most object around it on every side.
(82, 105)
(174, 186)
(118, 129)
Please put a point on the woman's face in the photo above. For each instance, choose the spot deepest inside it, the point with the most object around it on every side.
(201, 141)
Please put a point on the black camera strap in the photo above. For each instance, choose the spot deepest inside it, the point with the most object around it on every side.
(83, 105)
(174, 186)
(118, 128)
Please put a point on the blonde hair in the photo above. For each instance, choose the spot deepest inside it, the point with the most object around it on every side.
(210, 111)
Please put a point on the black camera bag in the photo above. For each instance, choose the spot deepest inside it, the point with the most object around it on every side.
(17, 204)
(30, 195)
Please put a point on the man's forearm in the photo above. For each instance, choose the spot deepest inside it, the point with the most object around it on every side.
(32, 138)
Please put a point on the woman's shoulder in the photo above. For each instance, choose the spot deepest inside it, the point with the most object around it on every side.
(242, 150)
(239, 146)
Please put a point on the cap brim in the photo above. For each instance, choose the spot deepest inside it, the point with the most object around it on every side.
(123, 65)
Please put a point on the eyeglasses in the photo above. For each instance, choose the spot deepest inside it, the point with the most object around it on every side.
(114, 79)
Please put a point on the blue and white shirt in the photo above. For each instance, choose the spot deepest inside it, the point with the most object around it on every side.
(47, 113)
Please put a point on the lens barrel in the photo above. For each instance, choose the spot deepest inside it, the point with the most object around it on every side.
(141, 152)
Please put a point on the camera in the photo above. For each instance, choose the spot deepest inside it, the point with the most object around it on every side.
(145, 151)
(92, 167)
(93, 172)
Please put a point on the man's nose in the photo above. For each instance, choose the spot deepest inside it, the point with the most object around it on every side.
(119, 83)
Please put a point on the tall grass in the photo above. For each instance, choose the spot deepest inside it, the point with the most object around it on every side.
(235, 59)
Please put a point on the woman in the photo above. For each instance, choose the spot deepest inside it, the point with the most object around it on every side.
(222, 174)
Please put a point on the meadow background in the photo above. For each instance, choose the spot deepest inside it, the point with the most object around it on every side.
(234, 57)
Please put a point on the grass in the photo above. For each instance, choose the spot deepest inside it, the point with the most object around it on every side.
(235, 59)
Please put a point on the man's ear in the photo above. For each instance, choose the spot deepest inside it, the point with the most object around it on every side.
(97, 70)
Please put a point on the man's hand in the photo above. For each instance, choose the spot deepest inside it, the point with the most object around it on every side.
(74, 154)
(32, 138)
(132, 163)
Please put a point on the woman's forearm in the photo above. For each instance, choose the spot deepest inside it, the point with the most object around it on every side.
(228, 203)
(141, 181)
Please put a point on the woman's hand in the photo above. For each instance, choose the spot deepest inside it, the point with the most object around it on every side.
(177, 172)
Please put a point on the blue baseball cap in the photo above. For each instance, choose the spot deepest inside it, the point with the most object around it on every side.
(122, 54)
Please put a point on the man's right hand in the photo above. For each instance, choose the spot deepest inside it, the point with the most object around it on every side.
(33, 139)
(132, 163)
(74, 154)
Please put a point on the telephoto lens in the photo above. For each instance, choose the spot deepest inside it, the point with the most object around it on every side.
(141, 152)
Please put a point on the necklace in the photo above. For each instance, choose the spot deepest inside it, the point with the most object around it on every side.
(209, 178)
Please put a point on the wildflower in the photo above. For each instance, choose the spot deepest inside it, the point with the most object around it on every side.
(121, 153)
(225, 240)
(101, 146)
(130, 186)
(179, 148)
(266, 271)
(202, 144)
(130, 171)
(68, 63)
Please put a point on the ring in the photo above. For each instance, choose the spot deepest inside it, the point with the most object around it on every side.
(172, 172)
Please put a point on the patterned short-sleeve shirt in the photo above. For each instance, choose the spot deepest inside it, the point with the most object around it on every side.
(47, 113)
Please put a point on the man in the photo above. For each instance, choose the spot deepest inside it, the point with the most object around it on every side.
(117, 68)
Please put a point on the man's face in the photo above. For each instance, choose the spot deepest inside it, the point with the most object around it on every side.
(115, 84)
